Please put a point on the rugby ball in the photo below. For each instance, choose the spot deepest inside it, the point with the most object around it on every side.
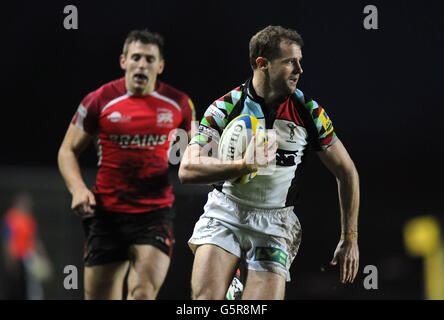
(235, 139)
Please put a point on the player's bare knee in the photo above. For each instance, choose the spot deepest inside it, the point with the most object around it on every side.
(205, 291)
(141, 294)
(144, 292)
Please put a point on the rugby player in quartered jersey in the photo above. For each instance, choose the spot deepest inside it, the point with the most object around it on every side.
(299, 122)
(253, 224)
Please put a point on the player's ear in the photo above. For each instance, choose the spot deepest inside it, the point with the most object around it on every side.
(122, 61)
(262, 63)
(161, 66)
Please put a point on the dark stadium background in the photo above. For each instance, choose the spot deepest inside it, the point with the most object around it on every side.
(382, 89)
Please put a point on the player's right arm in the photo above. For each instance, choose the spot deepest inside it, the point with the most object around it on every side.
(197, 167)
(75, 141)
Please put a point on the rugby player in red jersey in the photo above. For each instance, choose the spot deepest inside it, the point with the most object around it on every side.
(127, 216)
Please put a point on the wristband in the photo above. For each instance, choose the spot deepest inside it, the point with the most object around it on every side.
(349, 235)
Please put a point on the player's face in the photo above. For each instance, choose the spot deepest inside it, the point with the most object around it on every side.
(142, 64)
(284, 72)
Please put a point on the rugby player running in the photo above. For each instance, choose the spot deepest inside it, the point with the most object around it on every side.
(254, 224)
(127, 216)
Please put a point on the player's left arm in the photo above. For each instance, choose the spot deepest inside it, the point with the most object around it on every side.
(189, 115)
(338, 162)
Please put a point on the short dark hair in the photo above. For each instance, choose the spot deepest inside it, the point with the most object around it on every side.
(266, 43)
(145, 36)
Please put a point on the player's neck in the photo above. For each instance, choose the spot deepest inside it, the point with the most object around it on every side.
(136, 92)
(264, 91)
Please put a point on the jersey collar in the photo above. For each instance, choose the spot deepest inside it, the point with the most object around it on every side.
(252, 93)
(157, 85)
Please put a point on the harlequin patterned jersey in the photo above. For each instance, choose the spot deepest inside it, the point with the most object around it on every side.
(299, 123)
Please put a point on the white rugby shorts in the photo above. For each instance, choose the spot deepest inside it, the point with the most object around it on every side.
(268, 239)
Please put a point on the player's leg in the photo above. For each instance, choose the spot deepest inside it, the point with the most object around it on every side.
(263, 285)
(213, 271)
(105, 257)
(270, 256)
(148, 269)
(151, 239)
(105, 282)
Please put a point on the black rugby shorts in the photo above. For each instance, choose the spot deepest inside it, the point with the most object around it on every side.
(109, 235)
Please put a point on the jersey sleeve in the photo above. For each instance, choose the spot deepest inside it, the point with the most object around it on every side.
(86, 117)
(326, 135)
(188, 113)
(215, 119)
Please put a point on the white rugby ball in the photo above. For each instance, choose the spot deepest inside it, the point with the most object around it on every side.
(235, 139)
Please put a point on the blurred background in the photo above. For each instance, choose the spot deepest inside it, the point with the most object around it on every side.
(382, 89)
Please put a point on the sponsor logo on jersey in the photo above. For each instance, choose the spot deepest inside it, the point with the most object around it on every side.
(326, 122)
(209, 132)
(286, 158)
(117, 116)
(164, 117)
(271, 254)
(138, 141)
(215, 112)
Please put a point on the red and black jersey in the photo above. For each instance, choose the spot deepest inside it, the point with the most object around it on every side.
(132, 143)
